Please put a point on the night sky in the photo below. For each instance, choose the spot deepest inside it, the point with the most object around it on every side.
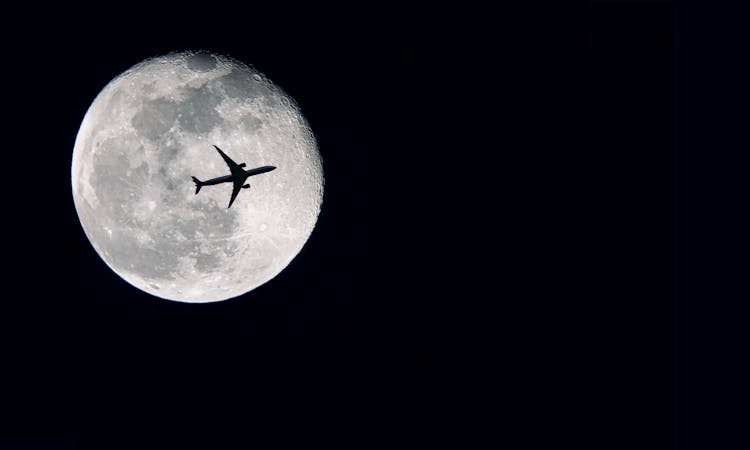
(478, 276)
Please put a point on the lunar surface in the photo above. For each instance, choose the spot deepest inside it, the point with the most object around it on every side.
(152, 128)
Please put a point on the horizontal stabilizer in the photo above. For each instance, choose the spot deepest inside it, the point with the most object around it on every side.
(198, 185)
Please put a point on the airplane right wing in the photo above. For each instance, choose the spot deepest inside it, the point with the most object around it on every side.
(236, 188)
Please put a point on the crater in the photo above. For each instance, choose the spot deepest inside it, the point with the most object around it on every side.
(201, 62)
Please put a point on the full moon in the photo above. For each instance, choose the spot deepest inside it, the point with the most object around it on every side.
(154, 127)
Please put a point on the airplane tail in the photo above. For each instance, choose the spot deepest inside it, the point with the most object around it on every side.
(198, 184)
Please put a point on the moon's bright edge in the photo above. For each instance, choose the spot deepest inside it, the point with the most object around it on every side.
(152, 128)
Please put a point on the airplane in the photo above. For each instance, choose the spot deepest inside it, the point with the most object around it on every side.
(238, 176)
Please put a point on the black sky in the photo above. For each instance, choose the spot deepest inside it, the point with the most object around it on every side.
(491, 266)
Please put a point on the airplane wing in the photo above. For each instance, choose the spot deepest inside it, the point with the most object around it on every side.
(236, 188)
(233, 166)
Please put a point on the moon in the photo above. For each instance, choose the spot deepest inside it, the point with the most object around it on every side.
(149, 131)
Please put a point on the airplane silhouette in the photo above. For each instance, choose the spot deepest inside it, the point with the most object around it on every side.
(238, 176)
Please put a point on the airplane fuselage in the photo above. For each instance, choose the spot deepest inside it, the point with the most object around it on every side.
(239, 176)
